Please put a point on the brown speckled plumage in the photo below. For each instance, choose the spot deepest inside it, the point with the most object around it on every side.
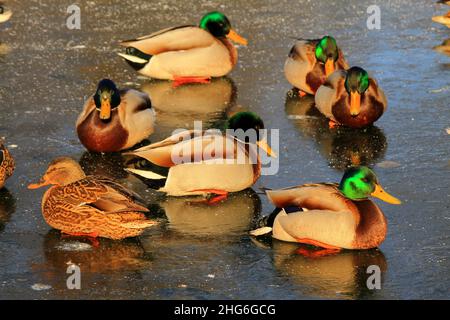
(90, 205)
(7, 165)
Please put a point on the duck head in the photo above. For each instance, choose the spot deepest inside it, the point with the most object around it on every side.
(359, 183)
(327, 52)
(356, 83)
(218, 25)
(246, 120)
(61, 171)
(106, 98)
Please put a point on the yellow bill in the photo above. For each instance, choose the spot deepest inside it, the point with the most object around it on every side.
(355, 103)
(234, 36)
(383, 195)
(265, 146)
(105, 110)
(329, 67)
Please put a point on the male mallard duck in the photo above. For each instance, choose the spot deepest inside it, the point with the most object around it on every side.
(186, 53)
(310, 62)
(114, 120)
(5, 13)
(7, 165)
(331, 216)
(444, 19)
(208, 162)
(351, 98)
(91, 206)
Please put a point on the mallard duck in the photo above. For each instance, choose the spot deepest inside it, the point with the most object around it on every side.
(444, 19)
(310, 62)
(447, 2)
(208, 162)
(89, 206)
(186, 53)
(444, 47)
(351, 98)
(7, 164)
(332, 216)
(114, 120)
(5, 13)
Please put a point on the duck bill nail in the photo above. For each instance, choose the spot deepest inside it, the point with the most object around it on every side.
(355, 103)
(329, 67)
(265, 146)
(234, 36)
(105, 110)
(383, 195)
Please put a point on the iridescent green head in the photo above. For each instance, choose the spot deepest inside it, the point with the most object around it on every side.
(327, 49)
(327, 52)
(247, 120)
(358, 183)
(356, 83)
(106, 98)
(356, 80)
(218, 25)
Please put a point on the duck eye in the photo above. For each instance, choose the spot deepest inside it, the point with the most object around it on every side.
(1, 10)
(365, 180)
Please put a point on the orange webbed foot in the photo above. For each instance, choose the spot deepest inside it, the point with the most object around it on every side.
(178, 81)
(332, 124)
(91, 237)
(214, 195)
(316, 253)
(302, 93)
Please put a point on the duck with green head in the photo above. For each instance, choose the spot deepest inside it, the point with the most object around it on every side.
(331, 216)
(113, 120)
(208, 162)
(351, 98)
(186, 53)
(310, 62)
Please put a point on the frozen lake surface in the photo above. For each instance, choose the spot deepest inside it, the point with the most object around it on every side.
(204, 252)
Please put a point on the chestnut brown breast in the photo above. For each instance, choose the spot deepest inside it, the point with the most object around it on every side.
(371, 110)
(100, 136)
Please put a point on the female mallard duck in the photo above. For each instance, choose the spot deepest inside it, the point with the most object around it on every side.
(209, 162)
(5, 13)
(114, 120)
(91, 206)
(310, 62)
(331, 216)
(351, 98)
(7, 165)
(186, 53)
(444, 19)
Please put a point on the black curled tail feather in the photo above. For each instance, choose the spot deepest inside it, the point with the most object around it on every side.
(267, 221)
